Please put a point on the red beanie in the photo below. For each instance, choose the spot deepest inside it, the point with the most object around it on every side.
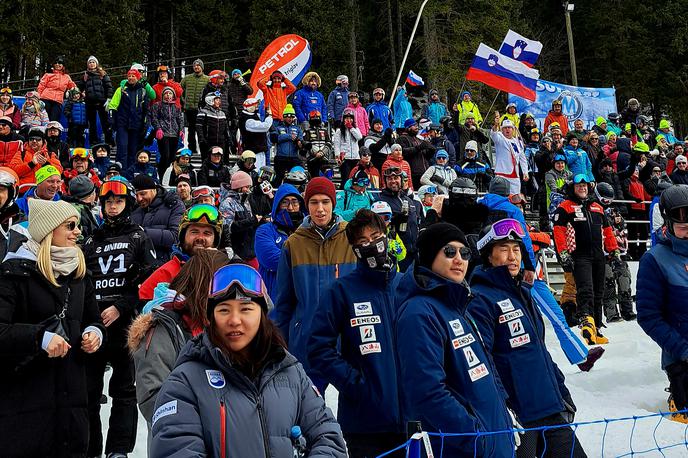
(134, 72)
(321, 185)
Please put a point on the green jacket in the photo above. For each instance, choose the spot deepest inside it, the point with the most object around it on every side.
(193, 86)
(117, 96)
(350, 202)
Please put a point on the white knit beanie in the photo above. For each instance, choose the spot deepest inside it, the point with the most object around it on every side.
(93, 58)
(46, 215)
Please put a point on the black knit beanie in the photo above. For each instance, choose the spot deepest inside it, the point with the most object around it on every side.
(434, 238)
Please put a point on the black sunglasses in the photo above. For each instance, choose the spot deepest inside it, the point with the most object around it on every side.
(71, 225)
(450, 252)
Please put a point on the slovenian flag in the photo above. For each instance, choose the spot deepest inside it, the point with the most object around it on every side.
(521, 48)
(414, 80)
(503, 73)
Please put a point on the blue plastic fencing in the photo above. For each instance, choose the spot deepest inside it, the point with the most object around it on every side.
(638, 435)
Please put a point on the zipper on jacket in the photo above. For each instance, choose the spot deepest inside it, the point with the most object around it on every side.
(266, 445)
(223, 429)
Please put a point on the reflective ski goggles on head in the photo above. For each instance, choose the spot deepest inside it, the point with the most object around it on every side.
(114, 187)
(184, 152)
(201, 211)
(363, 182)
(241, 275)
(202, 191)
(79, 152)
(393, 172)
(450, 251)
(163, 68)
(6, 90)
(501, 230)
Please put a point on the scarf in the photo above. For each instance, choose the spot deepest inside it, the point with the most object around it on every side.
(64, 260)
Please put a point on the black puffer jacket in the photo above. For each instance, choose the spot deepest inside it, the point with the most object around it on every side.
(98, 88)
(161, 221)
(43, 407)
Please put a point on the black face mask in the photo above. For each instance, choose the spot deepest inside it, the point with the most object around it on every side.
(54, 140)
(374, 254)
(296, 219)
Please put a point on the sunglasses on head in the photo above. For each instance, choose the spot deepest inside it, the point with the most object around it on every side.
(450, 252)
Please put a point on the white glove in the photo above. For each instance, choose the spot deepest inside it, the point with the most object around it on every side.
(517, 425)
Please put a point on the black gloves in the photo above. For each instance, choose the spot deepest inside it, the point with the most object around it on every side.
(566, 261)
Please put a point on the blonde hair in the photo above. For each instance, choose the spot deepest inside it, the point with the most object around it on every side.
(45, 266)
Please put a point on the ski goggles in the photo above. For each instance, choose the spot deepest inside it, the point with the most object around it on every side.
(202, 191)
(203, 211)
(500, 230)
(114, 187)
(184, 152)
(266, 174)
(6, 90)
(428, 189)
(362, 182)
(393, 172)
(450, 251)
(236, 275)
(163, 68)
(79, 152)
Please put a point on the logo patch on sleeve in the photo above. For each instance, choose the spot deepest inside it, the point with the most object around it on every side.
(510, 316)
(478, 372)
(516, 327)
(367, 333)
(505, 305)
(168, 408)
(363, 308)
(457, 327)
(519, 341)
(216, 379)
(372, 347)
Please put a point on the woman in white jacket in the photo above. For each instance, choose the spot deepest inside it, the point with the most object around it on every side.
(440, 174)
(345, 141)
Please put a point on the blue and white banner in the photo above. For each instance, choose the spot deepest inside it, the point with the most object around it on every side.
(586, 103)
(521, 48)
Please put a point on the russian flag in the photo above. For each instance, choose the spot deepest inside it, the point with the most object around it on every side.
(414, 80)
(501, 72)
(521, 48)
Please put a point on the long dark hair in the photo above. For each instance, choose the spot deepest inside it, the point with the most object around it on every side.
(193, 281)
(261, 350)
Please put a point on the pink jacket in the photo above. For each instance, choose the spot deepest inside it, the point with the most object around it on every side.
(53, 86)
(361, 118)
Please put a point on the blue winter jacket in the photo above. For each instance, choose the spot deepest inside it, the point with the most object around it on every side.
(307, 100)
(402, 109)
(380, 110)
(77, 113)
(23, 202)
(336, 102)
(498, 203)
(101, 164)
(662, 297)
(271, 236)
(579, 162)
(280, 135)
(447, 379)
(514, 334)
(349, 201)
(435, 111)
(309, 263)
(362, 363)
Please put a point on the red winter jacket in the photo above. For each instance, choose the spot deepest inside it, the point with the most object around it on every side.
(158, 87)
(14, 113)
(557, 117)
(164, 273)
(68, 174)
(21, 163)
(275, 97)
(8, 150)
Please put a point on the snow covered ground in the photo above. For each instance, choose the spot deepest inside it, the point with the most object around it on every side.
(627, 381)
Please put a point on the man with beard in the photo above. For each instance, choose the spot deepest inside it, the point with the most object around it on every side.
(416, 151)
(159, 213)
(80, 160)
(405, 213)
(439, 141)
(469, 130)
(119, 255)
(307, 99)
(288, 211)
(200, 228)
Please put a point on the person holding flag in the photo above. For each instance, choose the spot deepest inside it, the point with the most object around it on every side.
(510, 157)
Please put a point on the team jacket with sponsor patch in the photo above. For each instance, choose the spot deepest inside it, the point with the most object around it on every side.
(591, 228)
(119, 257)
(208, 407)
(514, 334)
(447, 379)
(357, 311)
(310, 261)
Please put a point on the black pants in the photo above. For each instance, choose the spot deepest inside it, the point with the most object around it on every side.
(121, 436)
(190, 115)
(548, 443)
(373, 445)
(588, 272)
(93, 111)
(53, 109)
(167, 149)
(378, 159)
(75, 136)
(345, 169)
(283, 165)
(637, 231)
